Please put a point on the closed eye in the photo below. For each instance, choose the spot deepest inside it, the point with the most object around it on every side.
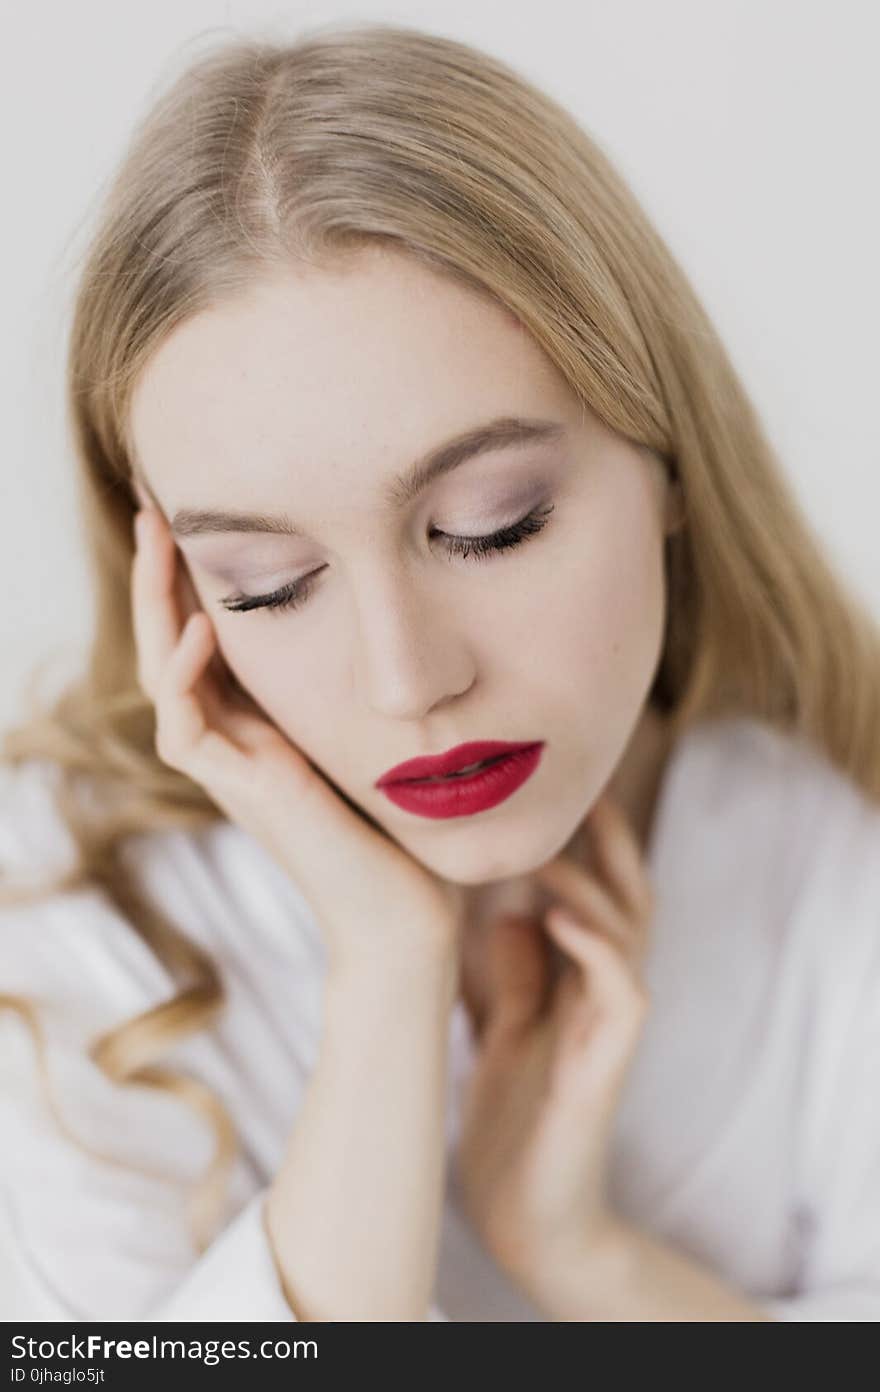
(470, 548)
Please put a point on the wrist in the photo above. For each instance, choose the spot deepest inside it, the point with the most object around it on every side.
(419, 968)
(579, 1282)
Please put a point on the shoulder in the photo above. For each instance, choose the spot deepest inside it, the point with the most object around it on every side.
(775, 786)
(75, 950)
(744, 761)
(34, 839)
(775, 806)
(66, 949)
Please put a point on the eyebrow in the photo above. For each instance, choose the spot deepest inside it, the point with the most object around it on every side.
(502, 433)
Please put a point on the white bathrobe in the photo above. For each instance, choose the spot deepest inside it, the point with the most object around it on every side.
(748, 1133)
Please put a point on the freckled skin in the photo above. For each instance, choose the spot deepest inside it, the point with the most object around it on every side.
(307, 394)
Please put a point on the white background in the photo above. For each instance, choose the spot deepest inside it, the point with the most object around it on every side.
(748, 130)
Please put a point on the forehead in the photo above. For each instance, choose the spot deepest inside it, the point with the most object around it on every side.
(341, 375)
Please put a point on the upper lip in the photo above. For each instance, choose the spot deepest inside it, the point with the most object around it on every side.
(428, 766)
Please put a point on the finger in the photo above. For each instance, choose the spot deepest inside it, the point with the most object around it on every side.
(619, 856)
(572, 1003)
(601, 1014)
(583, 894)
(196, 659)
(188, 602)
(185, 592)
(605, 970)
(154, 617)
(180, 718)
(184, 737)
(517, 976)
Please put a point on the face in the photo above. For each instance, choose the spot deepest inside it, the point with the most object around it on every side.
(308, 398)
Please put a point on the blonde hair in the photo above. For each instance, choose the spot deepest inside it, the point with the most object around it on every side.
(262, 153)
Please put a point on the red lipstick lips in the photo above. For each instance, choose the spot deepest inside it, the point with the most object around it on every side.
(438, 787)
(451, 762)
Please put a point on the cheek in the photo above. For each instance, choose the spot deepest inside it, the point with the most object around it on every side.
(286, 677)
(288, 680)
(597, 620)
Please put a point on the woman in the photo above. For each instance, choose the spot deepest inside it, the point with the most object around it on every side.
(433, 456)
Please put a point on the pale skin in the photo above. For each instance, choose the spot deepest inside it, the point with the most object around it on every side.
(308, 396)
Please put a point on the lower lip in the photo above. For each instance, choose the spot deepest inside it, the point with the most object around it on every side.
(473, 792)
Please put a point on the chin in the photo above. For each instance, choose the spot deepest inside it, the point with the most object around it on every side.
(471, 865)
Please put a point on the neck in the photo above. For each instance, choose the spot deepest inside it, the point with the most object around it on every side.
(635, 784)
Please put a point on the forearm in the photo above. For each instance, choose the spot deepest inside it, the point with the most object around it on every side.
(638, 1277)
(354, 1211)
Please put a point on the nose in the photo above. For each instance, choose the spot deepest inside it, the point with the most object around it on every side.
(411, 650)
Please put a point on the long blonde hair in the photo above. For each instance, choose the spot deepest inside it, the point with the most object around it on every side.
(261, 153)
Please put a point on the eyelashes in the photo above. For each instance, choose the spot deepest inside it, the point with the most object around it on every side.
(469, 548)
